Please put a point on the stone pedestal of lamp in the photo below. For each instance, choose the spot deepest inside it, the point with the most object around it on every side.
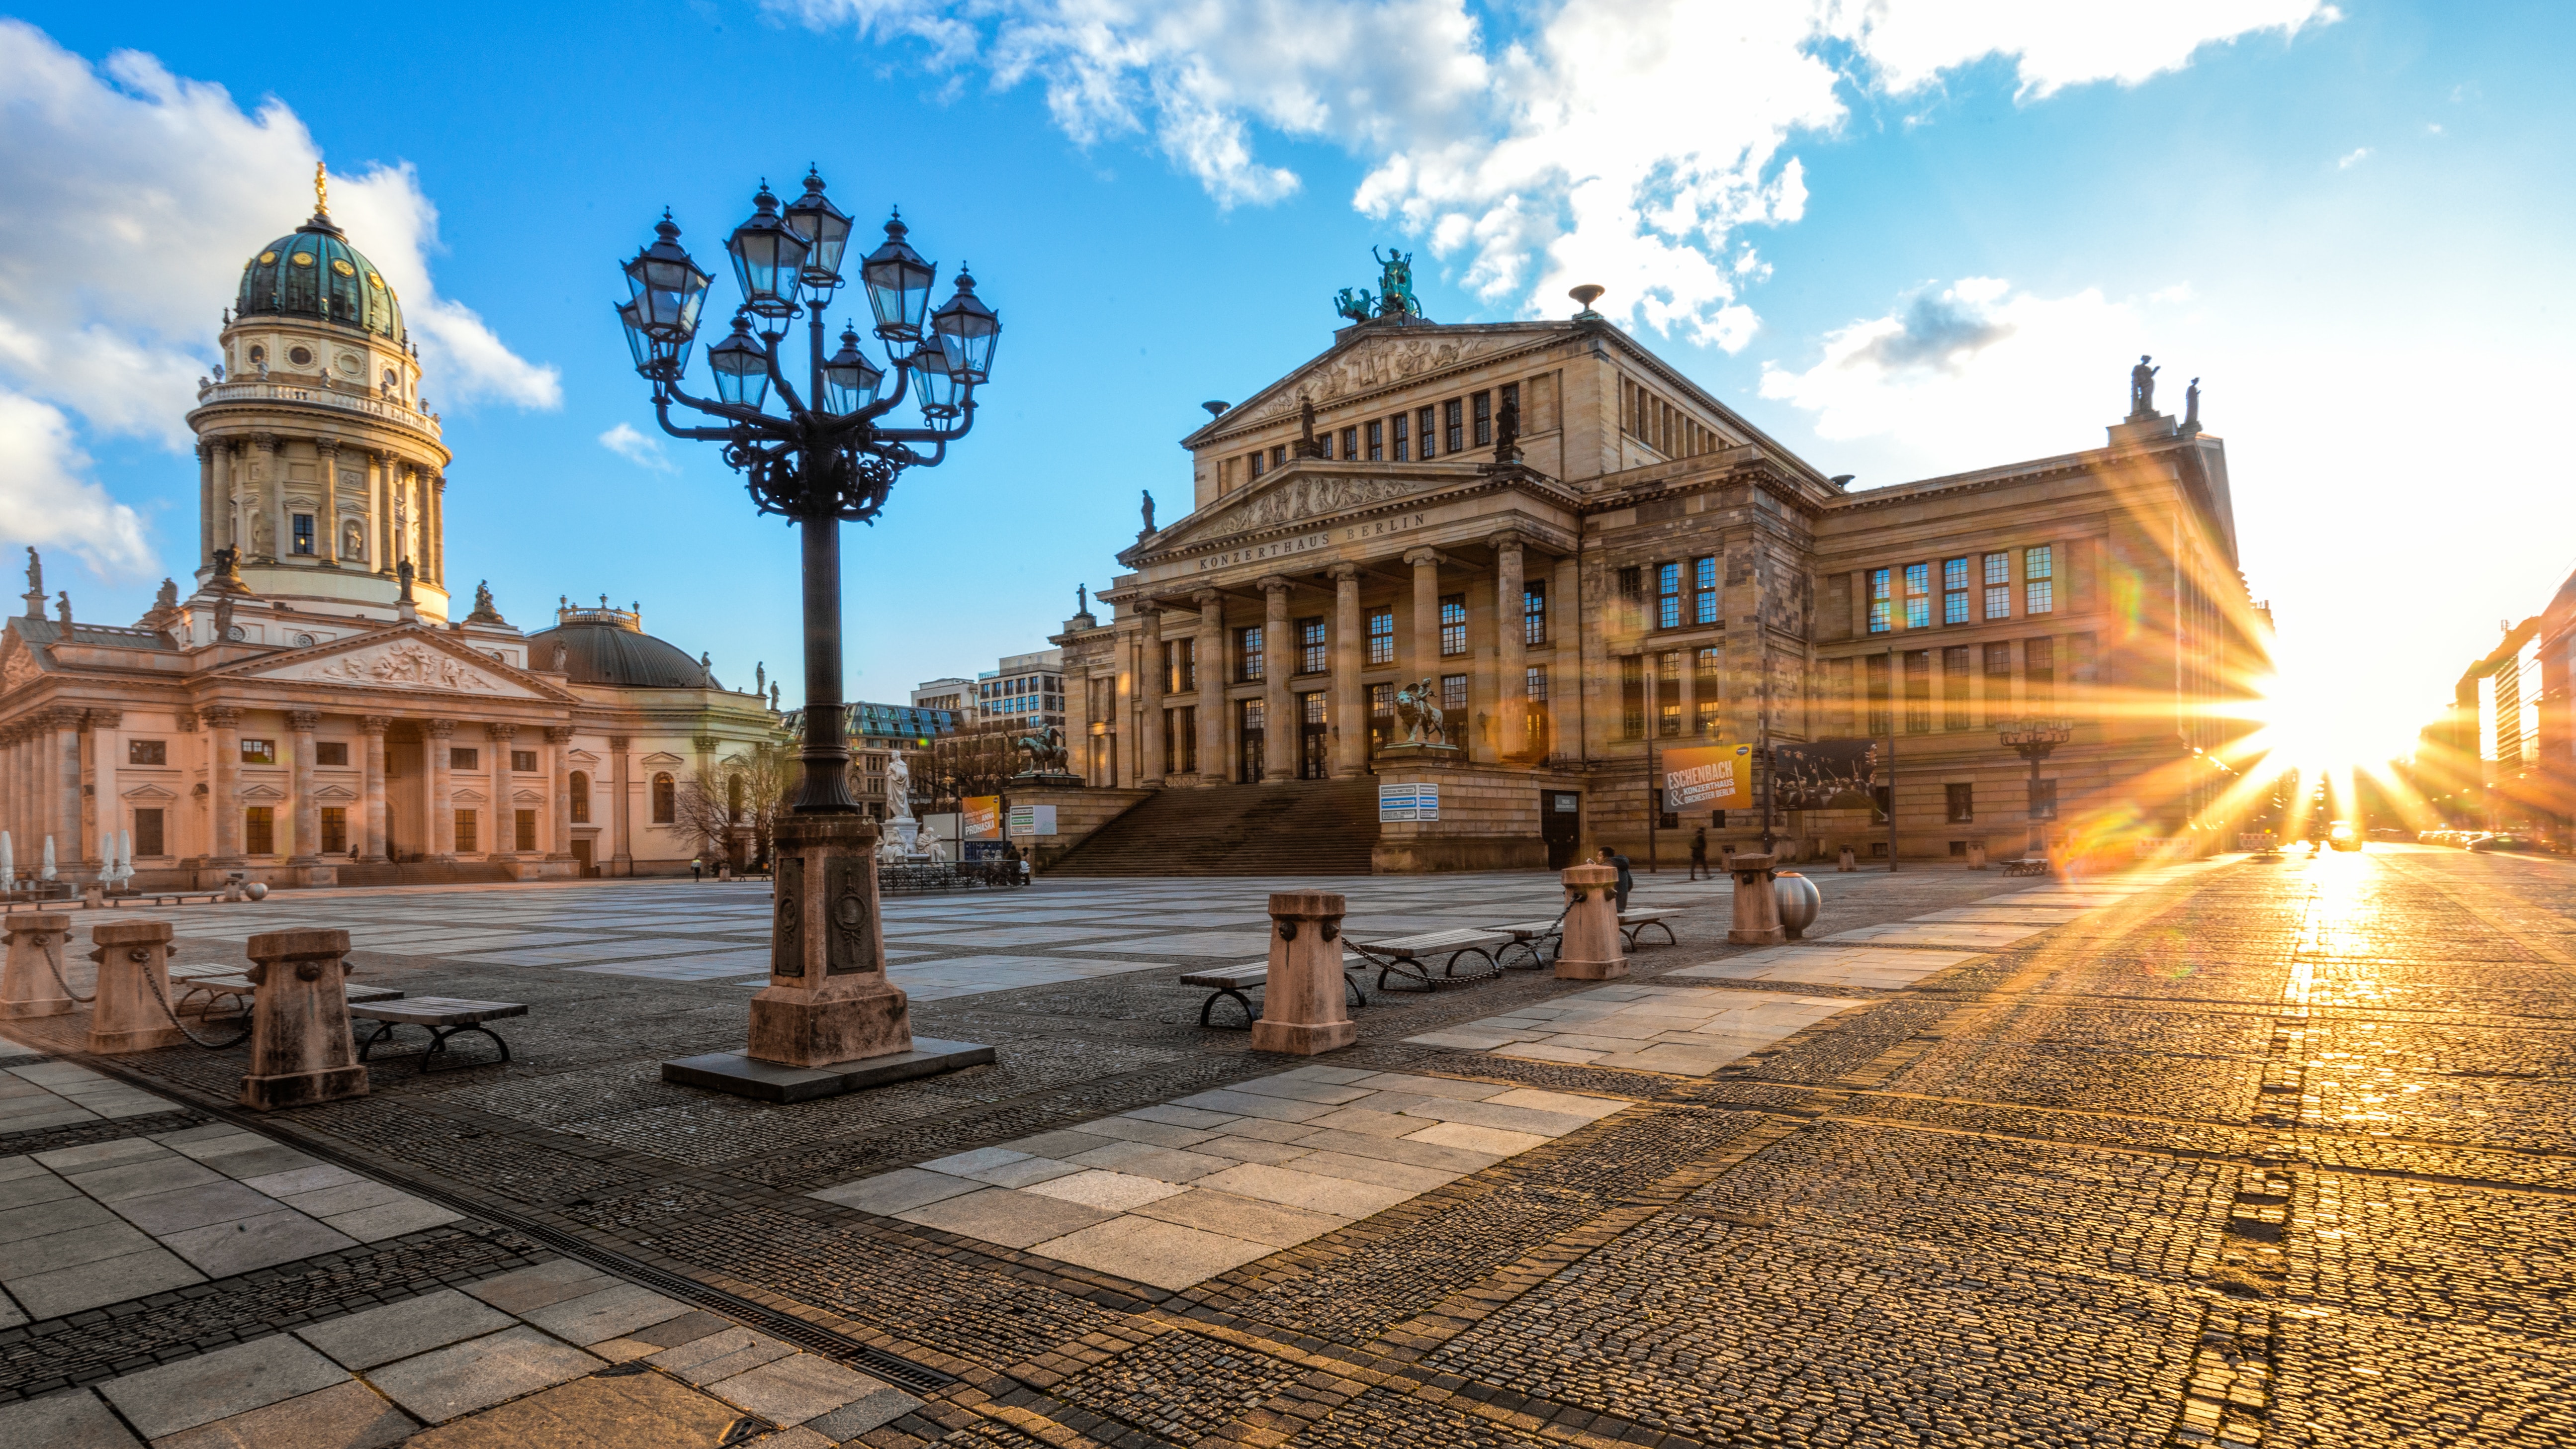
(1757, 907)
(133, 981)
(300, 1049)
(828, 1021)
(1303, 1009)
(1591, 949)
(27, 984)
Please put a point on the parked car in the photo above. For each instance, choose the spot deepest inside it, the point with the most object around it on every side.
(2504, 842)
(2342, 836)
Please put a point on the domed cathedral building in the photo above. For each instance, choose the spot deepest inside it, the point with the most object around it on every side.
(1483, 579)
(311, 714)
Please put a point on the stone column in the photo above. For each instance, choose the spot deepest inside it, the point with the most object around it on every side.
(133, 981)
(1425, 663)
(1279, 723)
(304, 837)
(227, 534)
(1511, 686)
(388, 488)
(1303, 1007)
(441, 834)
(621, 812)
(434, 527)
(27, 984)
(1211, 647)
(300, 1050)
(559, 835)
(326, 519)
(374, 726)
(1565, 683)
(1350, 721)
(106, 812)
(206, 450)
(1590, 949)
(72, 847)
(1149, 697)
(265, 491)
(503, 842)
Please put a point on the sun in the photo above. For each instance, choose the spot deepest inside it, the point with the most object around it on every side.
(2323, 721)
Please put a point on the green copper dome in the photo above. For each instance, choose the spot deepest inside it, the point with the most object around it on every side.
(316, 273)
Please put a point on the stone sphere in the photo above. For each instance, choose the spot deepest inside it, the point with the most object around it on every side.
(259, 892)
(1799, 901)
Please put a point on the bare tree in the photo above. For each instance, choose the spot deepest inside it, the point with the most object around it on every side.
(739, 800)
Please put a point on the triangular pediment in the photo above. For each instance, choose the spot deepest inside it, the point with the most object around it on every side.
(528, 797)
(409, 661)
(335, 792)
(662, 760)
(262, 792)
(467, 797)
(19, 662)
(148, 793)
(1373, 358)
(1310, 489)
(583, 757)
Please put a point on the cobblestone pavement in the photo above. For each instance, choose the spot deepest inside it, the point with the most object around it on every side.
(2256, 1152)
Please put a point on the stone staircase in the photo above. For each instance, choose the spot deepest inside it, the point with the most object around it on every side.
(422, 872)
(1309, 827)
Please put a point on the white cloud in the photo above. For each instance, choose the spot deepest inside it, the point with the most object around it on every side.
(135, 195)
(2352, 158)
(635, 448)
(1623, 142)
(46, 498)
(1974, 372)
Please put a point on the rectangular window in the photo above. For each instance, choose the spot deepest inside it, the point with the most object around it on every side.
(1377, 442)
(1998, 586)
(1880, 720)
(1704, 589)
(1632, 596)
(1312, 655)
(1381, 716)
(1882, 609)
(1706, 693)
(1534, 612)
(1534, 683)
(1403, 429)
(336, 752)
(147, 752)
(1180, 665)
(1918, 691)
(1998, 680)
(1350, 444)
(1957, 663)
(466, 837)
(460, 758)
(2039, 673)
(304, 533)
(2039, 581)
(1256, 466)
(259, 830)
(2043, 799)
(1453, 699)
(1963, 803)
(1668, 694)
(1381, 636)
(523, 761)
(148, 839)
(1484, 413)
(1427, 424)
(259, 752)
(523, 826)
(1512, 400)
(1918, 596)
(335, 830)
(1668, 596)
(1632, 696)
(1954, 591)
(1707, 723)
(1453, 624)
(1279, 456)
(1247, 648)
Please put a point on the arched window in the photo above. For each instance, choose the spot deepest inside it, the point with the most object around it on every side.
(733, 798)
(580, 797)
(666, 799)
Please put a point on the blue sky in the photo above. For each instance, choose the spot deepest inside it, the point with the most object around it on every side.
(1908, 239)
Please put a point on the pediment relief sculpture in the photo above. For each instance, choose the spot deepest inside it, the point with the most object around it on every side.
(1307, 497)
(19, 667)
(403, 664)
(1376, 363)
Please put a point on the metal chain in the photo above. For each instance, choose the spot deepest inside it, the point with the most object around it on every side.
(153, 980)
(54, 962)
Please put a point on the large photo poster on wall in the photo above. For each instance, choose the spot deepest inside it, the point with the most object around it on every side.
(1825, 775)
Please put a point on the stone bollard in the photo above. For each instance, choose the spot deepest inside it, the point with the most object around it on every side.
(1844, 863)
(1591, 949)
(1976, 855)
(300, 1050)
(1799, 902)
(1757, 906)
(27, 984)
(133, 981)
(1302, 1006)
(94, 897)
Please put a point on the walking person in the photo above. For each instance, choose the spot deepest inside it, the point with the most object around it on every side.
(1699, 854)
(1626, 880)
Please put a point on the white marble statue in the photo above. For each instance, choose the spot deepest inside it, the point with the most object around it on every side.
(898, 788)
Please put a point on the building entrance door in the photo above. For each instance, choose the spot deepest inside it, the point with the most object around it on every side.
(1250, 720)
(1313, 738)
(1560, 824)
(581, 857)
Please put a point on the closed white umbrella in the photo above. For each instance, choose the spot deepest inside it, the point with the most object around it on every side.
(47, 871)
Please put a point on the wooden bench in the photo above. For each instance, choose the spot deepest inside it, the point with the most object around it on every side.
(1632, 922)
(2027, 865)
(1233, 981)
(1408, 957)
(220, 983)
(1536, 938)
(441, 1016)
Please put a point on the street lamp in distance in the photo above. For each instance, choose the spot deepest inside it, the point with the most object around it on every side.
(2034, 740)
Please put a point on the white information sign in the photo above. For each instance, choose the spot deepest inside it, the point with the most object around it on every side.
(1033, 820)
(1407, 802)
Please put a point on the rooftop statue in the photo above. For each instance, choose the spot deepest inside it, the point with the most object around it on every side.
(1395, 284)
(2142, 388)
(1149, 513)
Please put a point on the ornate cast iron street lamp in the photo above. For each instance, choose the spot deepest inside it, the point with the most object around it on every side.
(2034, 740)
(819, 456)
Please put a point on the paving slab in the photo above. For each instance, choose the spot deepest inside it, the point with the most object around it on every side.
(1249, 1219)
(399, 1330)
(137, 1274)
(889, 1194)
(77, 1419)
(1166, 1255)
(608, 1313)
(280, 1235)
(1111, 1191)
(1338, 1196)
(448, 1382)
(1008, 1216)
(600, 1411)
(522, 1289)
(162, 1401)
(345, 1416)
(721, 1355)
(796, 1388)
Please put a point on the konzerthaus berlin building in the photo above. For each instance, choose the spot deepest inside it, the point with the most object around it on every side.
(311, 711)
(1655, 572)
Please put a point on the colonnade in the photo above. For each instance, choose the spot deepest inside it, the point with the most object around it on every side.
(240, 484)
